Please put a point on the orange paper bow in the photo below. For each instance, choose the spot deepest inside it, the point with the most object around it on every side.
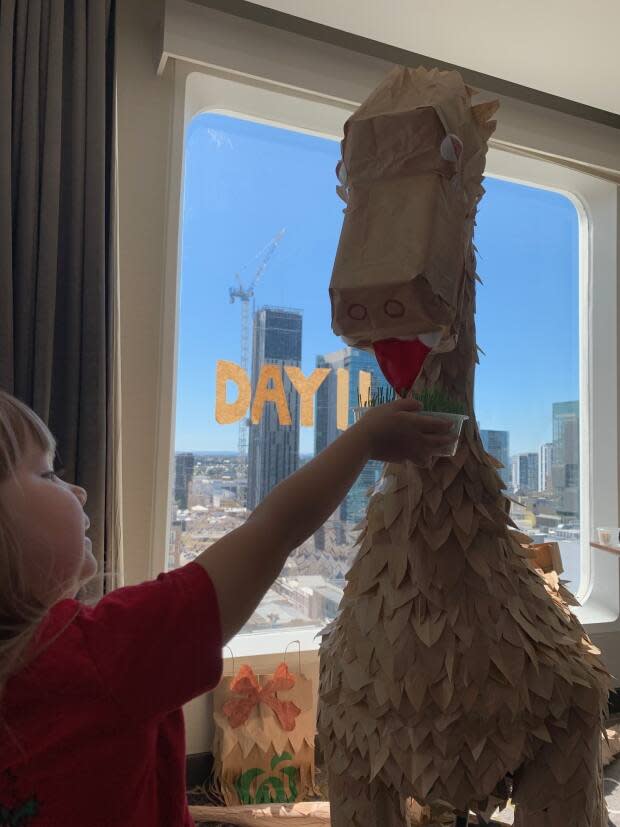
(245, 684)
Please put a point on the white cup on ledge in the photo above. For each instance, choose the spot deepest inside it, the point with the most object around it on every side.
(609, 536)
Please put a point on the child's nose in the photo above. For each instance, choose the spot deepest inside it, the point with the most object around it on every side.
(80, 493)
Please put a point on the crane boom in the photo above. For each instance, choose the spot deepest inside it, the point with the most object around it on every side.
(244, 294)
(271, 248)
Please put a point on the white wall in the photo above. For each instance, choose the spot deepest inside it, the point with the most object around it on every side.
(567, 48)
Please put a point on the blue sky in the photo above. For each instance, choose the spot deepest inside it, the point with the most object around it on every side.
(245, 181)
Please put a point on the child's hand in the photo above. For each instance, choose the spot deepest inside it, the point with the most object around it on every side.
(396, 432)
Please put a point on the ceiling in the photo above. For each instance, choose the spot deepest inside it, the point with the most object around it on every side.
(568, 48)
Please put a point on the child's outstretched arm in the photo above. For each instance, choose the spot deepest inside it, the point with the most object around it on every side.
(245, 563)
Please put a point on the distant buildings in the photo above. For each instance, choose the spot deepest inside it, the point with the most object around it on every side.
(274, 449)
(295, 602)
(525, 473)
(497, 443)
(565, 456)
(545, 462)
(353, 360)
(325, 430)
(184, 471)
(532, 471)
(325, 413)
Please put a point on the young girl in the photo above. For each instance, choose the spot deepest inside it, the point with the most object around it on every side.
(92, 731)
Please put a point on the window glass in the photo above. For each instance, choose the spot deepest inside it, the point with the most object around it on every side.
(261, 221)
(527, 382)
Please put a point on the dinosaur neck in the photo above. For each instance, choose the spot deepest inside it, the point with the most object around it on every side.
(454, 371)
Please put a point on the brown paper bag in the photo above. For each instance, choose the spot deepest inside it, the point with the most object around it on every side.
(408, 156)
(264, 742)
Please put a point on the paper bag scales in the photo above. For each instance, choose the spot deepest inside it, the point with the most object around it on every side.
(455, 672)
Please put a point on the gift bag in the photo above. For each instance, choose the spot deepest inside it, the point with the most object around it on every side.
(264, 737)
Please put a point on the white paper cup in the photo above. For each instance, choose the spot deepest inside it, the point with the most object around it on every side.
(448, 450)
(609, 536)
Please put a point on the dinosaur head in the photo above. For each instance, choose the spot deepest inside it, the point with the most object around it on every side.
(412, 163)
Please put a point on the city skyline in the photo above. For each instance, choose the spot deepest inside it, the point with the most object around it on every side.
(551, 473)
(209, 493)
(340, 360)
(352, 361)
(325, 388)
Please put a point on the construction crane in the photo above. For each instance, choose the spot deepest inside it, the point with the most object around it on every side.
(244, 294)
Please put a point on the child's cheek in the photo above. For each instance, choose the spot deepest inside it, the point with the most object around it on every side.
(62, 550)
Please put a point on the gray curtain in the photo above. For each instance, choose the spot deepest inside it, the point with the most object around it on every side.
(57, 273)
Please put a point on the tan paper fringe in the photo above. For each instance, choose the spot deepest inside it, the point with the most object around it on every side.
(455, 669)
(262, 728)
(318, 814)
(301, 815)
(611, 744)
(230, 770)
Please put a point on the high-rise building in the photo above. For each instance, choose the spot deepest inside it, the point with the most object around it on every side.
(183, 473)
(532, 471)
(525, 473)
(565, 462)
(545, 461)
(326, 431)
(274, 448)
(353, 360)
(497, 443)
(325, 403)
(566, 444)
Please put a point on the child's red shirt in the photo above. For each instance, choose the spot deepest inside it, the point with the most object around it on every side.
(98, 713)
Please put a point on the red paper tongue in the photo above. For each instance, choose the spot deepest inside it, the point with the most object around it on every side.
(401, 361)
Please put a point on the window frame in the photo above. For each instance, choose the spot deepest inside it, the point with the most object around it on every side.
(199, 90)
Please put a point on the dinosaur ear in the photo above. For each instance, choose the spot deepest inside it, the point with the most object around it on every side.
(451, 148)
(341, 189)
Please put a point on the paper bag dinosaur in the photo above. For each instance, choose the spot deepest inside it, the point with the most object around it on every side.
(455, 671)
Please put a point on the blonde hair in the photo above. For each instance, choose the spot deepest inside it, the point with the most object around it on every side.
(21, 612)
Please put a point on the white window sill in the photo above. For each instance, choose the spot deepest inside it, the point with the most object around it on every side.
(276, 642)
(596, 616)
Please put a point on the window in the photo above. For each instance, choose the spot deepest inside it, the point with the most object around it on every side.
(260, 226)
(528, 379)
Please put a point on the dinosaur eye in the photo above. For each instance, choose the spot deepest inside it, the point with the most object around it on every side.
(357, 312)
(394, 309)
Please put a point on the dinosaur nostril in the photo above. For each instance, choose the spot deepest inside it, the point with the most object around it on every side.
(394, 308)
(357, 312)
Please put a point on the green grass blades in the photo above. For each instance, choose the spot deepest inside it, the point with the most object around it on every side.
(435, 399)
(431, 399)
(273, 789)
